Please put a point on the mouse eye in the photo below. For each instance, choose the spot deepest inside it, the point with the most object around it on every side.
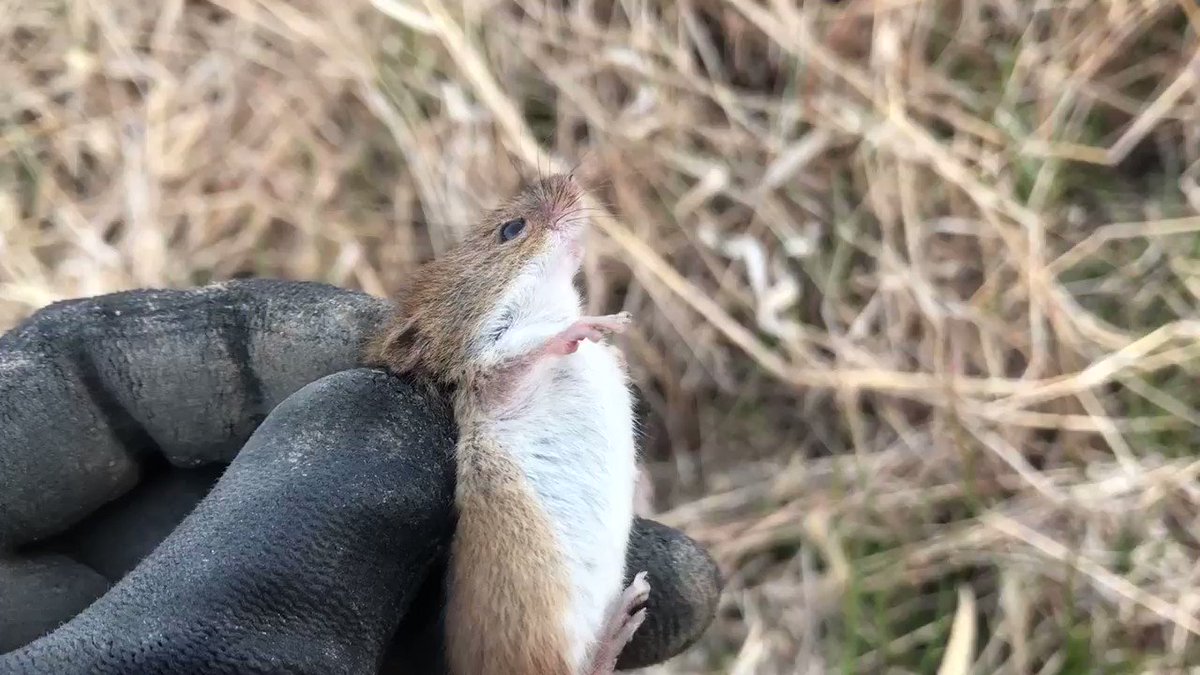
(511, 229)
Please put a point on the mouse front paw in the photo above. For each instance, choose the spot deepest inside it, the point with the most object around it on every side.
(594, 328)
(605, 325)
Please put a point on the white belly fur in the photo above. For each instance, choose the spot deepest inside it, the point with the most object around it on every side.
(573, 436)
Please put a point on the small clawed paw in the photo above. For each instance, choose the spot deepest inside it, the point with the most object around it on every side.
(614, 323)
(640, 589)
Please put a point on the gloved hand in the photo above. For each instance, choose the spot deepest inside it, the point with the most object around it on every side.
(321, 547)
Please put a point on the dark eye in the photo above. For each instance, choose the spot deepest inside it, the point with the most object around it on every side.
(511, 229)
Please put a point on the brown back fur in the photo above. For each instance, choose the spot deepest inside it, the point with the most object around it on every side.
(507, 585)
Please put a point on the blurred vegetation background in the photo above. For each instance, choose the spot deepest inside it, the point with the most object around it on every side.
(916, 281)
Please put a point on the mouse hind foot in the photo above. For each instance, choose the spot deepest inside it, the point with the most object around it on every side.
(624, 619)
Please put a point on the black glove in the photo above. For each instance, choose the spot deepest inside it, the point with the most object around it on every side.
(321, 547)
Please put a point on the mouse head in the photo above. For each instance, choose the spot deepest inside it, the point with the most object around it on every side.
(520, 255)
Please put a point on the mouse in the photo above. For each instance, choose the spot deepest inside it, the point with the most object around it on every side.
(546, 457)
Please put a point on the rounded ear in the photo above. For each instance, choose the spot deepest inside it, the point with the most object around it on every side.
(396, 348)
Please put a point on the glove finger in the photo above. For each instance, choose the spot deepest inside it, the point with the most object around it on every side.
(303, 556)
(43, 586)
(41, 592)
(117, 536)
(97, 389)
(685, 585)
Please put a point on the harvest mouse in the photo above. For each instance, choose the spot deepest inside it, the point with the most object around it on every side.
(546, 456)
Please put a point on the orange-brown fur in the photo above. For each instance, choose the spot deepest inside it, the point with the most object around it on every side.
(508, 589)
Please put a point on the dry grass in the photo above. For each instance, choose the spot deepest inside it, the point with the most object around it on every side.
(917, 282)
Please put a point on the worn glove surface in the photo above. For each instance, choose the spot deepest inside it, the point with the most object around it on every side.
(320, 548)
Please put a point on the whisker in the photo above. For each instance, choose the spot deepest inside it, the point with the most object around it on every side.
(587, 153)
(512, 161)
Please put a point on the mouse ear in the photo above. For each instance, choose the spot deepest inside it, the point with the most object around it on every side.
(397, 348)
